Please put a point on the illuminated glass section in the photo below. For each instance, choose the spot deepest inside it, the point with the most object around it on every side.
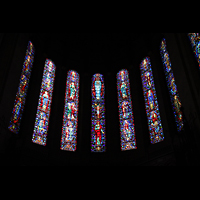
(98, 133)
(44, 104)
(151, 103)
(127, 127)
(174, 95)
(70, 118)
(20, 100)
(195, 42)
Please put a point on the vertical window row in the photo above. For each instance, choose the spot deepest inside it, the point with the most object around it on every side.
(98, 129)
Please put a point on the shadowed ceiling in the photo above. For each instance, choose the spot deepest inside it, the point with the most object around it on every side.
(94, 51)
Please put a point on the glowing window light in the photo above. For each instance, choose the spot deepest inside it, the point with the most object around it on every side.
(20, 100)
(98, 132)
(127, 127)
(151, 103)
(44, 104)
(195, 42)
(174, 95)
(70, 118)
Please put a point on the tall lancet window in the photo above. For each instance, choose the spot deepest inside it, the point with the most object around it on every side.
(70, 118)
(44, 104)
(174, 95)
(20, 100)
(127, 127)
(151, 103)
(195, 42)
(98, 133)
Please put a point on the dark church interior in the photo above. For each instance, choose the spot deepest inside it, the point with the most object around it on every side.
(107, 54)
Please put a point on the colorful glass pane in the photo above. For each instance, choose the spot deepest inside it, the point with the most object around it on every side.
(44, 104)
(20, 100)
(151, 103)
(70, 118)
(174, 95)
(127, 127)
(98, 133)
(195, 42)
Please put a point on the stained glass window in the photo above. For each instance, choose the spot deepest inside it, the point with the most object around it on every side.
(98, 133)
(195, 41)
(44, 104)
(151, 103)
(20, 100)
(70, 118)
(127, 127)
(174, 95)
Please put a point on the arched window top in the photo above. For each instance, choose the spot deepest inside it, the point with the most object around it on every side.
(98, 88)
(151, 102)
(146, 65)
(70, 118)
(173, 91)
(127, 127)
(165, 56)
(195, 42)
(123, 75)
(98, 132)
(30, 48)
(193, 38)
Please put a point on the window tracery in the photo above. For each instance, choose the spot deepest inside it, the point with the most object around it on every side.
(44, 104)
(151, 102)
(174, 95)
(20, 100)
(70, 118)
(98, 133)
(127, 126)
